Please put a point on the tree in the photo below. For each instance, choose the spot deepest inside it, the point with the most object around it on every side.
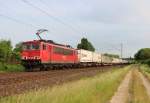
(143, 54)
(5, 50)
(85, 44)
(112, 55)
(91, 48)
(16, 51)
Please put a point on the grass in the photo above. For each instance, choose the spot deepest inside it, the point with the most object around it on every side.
(145, 69)
(11, 67)
(137, 90)
(98, 89)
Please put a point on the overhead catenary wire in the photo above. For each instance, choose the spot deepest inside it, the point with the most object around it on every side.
(114, 47)
(119, 49)
(45, 4)
(39, 26)
(18, 21)
(51, 16)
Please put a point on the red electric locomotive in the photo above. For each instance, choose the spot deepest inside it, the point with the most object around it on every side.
(46, 54)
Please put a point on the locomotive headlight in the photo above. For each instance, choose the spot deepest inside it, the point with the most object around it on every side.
(24, 57)
(36, 57)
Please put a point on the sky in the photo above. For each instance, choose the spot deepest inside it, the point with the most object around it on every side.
(106, 23)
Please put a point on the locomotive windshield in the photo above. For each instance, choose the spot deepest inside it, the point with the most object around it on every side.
(31, 47)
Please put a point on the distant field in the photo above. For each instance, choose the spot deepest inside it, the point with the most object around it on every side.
(98, 89)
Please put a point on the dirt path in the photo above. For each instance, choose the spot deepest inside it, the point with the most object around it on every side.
(122, 94)
(146, 83)
(135, 88)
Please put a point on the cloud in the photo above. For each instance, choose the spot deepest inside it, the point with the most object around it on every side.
(101, 21)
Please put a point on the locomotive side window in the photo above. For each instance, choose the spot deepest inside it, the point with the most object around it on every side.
(62, 51)
(68, 52)
(58, 50)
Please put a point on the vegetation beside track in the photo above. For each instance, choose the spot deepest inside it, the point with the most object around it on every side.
(145, 69)
(9, 57)
(143, 56)
(97, 89)
(11, 67)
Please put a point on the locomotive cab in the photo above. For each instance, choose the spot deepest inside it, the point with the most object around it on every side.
(31, 53)
(31, 50)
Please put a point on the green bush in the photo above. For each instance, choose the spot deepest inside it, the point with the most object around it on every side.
(11, 67)
(143, 56)
(147, 62)
(145, 68)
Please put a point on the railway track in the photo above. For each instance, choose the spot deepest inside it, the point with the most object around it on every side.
(16, 83)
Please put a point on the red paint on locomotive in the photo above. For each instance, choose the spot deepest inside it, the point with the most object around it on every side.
(47, 52)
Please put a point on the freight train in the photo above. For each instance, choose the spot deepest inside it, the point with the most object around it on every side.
(46, 54)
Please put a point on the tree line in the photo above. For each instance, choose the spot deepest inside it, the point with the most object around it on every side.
(143, 56)
(112, 55)
(8, 54)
